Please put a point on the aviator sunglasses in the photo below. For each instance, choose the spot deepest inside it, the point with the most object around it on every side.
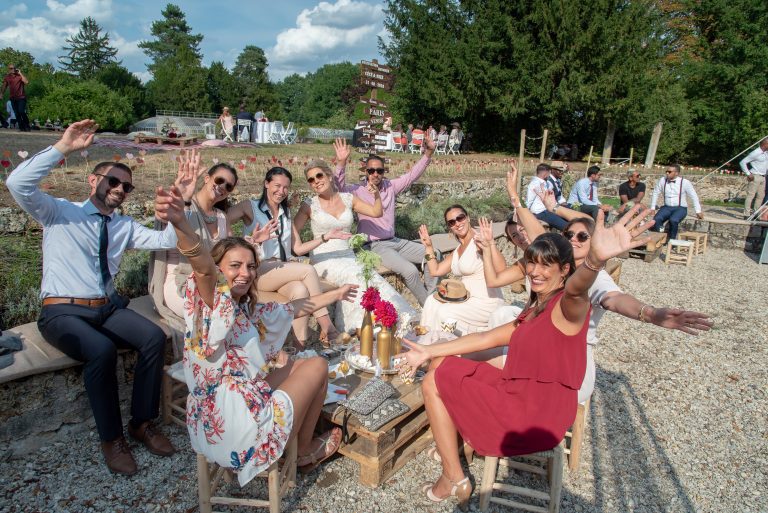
(312, 179)
(114, 182)
(220, 180)
(459, 218)
(580, 236)
(372, 170)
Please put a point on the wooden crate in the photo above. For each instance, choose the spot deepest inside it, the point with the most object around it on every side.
(382, 453)
(159, 139)
(652, 248)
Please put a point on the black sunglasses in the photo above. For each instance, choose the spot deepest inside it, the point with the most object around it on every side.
(318, 176)
(220, 180)
(379, 170)
(459, 218)
(580, 236)
(114, 182)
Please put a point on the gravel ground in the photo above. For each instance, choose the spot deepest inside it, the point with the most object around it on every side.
(677, 423)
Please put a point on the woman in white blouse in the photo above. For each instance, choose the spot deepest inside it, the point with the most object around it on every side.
(277, 274)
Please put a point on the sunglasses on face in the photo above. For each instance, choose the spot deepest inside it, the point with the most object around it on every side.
(114, 182)
(379, 170)
(317, 177)
(459, 218)
(219, 181)
(580, 236)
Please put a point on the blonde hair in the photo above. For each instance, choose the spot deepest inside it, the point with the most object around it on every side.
(324, 167)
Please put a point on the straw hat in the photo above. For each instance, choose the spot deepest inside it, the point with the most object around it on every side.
(451, 291)
(456, 124)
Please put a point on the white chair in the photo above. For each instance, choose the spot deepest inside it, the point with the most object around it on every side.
(276, 136)
(442, 144)
(288, 136)
(454, 143)
(227, 136)
(396, 144)
(416, 141)
(244, 127)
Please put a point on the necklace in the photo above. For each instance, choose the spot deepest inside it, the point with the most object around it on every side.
(210, 219)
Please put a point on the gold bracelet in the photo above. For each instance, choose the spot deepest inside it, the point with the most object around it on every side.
(194, 251)
(641, 316)
(591, 267)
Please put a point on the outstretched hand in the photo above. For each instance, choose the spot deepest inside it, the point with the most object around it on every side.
(77, 136)
(263, 233)
(342, 151)
(610, 242)
(484, 233)
(683, 320)
(417, 356)
(169, 206)
(347, 292)
(373, 189)
(547, 196)
(189, 172)
(512, 184)
(429, 144)
(338, 233)
(424, 236)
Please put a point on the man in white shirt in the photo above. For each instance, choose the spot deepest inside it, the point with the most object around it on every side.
(82, 314)
(755, 166)
(535, 205)
(676, 190)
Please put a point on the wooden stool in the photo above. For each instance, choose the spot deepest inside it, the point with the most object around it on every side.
(575, 437)
(699, 239)
(174, 396)
(278, 481)
(546, 463)
(679, 252)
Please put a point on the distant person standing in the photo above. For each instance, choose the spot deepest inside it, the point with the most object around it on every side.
(15, 81)
(755, 165)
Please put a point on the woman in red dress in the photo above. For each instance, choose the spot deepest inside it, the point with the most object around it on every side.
(527, 405)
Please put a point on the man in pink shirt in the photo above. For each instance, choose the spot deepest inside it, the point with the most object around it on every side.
(396, 254)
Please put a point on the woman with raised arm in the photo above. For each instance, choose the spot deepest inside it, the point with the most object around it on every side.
(527, 405)
(206, 212)
(331, 215)
(238, 415)
(472, 311)
(278, 276)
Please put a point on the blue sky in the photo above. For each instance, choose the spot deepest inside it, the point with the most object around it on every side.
(298, 36)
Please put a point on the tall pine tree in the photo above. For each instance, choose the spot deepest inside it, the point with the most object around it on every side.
(258, 92)
(172, 33)
(88, 51)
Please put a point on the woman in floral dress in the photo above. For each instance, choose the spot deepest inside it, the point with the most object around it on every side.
(239, 414)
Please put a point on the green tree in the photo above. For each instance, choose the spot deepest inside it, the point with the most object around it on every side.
(88, 50)
(180, 84)
(128, 85)
(291, 93)
(258, 92)
(223, 88)
(172, 34)
(324, 91)
(84, 99)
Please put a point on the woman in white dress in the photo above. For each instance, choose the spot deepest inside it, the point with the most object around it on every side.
(239, 414)
(464, 262)
(278, 276)
(331, 212)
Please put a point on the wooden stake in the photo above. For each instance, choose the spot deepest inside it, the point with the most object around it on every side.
(543, 145)
(653, 145)
(631, 154)
(589, 159)
(520, 160)
(608, 143)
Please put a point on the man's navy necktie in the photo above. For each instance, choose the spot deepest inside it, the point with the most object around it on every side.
(106, 276)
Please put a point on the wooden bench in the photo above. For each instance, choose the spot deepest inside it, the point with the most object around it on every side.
(651, 250)
(161, 139)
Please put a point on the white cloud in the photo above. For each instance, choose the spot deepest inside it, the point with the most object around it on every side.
(100, 10)
(13, 11)
(329, 32)
(124, 47)
(36, 35)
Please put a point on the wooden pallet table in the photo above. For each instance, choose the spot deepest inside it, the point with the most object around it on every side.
(159, 139)
(699, 241)
(382, 453)
(652, 248)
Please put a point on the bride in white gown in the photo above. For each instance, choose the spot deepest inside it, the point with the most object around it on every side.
(331, 217)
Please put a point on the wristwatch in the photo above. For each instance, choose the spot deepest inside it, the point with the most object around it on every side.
(428, 257)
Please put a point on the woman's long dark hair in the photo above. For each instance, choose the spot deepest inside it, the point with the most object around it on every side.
(222, 205)
(548, 249)
(277, 170)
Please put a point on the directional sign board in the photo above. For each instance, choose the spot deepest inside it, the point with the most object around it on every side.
(387, 86)
(375, 66)
(375, 111)
(373, 102)
(374, 131)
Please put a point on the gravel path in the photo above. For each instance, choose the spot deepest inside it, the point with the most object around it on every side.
(677, 423)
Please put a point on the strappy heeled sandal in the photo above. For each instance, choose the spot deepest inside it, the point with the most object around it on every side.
(469, 453)
(462, 490)
(331, 440)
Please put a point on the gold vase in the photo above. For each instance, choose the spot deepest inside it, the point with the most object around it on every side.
(366, 336)
(384, 347)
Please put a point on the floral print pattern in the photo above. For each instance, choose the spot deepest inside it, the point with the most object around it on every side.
(234, 417)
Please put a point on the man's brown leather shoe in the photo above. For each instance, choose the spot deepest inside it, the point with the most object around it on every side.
(156, 442)
(118, 457)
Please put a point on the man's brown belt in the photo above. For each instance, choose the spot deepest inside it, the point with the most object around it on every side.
(99, 301)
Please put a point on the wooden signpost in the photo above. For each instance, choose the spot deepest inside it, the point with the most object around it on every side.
(375, 76)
